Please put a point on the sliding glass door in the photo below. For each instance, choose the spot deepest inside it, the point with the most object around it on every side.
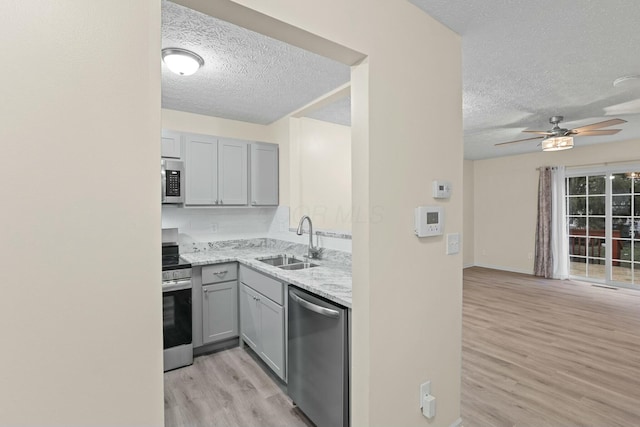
(603, 223)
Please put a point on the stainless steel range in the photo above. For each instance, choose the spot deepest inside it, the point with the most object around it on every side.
(176, 308)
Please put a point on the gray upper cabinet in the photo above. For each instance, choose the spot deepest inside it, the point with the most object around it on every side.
(264, 174)
(219, 173)
(201, 159)
(232, 172)
(171, 144)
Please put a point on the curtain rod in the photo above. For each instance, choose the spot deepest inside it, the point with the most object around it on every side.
(621, 162)
(551, 167)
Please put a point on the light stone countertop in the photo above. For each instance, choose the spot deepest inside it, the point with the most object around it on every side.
(330, 279)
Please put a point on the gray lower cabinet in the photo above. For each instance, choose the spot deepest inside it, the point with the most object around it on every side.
(262, 320)
(219, 312)
(215, 303)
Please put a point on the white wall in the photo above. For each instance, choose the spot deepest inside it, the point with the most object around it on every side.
(322, 167)
(410, 84)
(468, 231)
(506, 197)
(208, 125)
(80, 314)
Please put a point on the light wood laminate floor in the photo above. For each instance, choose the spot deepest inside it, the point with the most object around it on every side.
(548, 353)
(228, 388)
(535, 352)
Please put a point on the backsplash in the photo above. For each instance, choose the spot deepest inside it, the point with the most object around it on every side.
(201, 227)
(212, 224)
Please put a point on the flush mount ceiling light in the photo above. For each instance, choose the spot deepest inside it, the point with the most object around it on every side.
(557, 143)
(182, 61)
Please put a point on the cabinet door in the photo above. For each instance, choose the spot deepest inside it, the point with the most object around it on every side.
(232, 172)
(249, 316)
(272, 334)
(202, 173)
(170, 144)
(219, 312)
(264, 174)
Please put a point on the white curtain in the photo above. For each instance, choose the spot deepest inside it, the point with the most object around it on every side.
(559, 240)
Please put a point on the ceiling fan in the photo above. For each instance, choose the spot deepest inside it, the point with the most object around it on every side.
(562, 139)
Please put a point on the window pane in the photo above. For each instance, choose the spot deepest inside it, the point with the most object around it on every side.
(597, 184)
(595, 224)
(596, 247)
(595, 268)
(636, 183)
(596, 205)
(577, 245)
(577, 224)
(636, 205)
(577, 185)
(620, 205)
(577, 206)
(622, 272)
(621, 250)
(577, 266)
(621, 227)
(621, 184)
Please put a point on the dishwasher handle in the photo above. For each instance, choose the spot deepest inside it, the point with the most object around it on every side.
(314, 307)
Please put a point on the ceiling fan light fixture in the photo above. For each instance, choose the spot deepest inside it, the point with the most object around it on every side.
(557, 143)
(181, 61)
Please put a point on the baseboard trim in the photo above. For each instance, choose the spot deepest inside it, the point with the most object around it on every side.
(457, 423)
(468, 265)
(503, 268)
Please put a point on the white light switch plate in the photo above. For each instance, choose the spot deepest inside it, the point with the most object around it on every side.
(425, 388)
(453, 243)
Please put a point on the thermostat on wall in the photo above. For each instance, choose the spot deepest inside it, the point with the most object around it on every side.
(429, 221)
(441, 189)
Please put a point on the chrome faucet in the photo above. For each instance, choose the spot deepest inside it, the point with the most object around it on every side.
(314, 251)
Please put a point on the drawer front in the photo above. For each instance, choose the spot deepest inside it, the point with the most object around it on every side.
(219, 273)
(267, 286)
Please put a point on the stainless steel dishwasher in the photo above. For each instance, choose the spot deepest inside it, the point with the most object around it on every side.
(318, 353)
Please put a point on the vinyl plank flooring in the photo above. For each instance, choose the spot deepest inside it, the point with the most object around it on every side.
(539, 352)
(228, 388)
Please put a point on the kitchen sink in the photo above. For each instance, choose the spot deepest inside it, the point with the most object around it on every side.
(287, 262)
(298, 266)
(281, 260)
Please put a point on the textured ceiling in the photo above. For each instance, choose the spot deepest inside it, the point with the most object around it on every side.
(524, 61)
(338, 112)
(246, 76)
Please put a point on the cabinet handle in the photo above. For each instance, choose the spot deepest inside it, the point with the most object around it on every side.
(220, 272)
(215, 202)
(221, 202)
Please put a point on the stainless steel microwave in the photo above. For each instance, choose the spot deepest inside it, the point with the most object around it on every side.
(172, 172)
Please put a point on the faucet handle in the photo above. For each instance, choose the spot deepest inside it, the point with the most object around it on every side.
(316, 253)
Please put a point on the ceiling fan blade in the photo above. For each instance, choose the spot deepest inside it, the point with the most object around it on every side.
(519, 140)
(599, 125)
(596, 132)
(539, 132)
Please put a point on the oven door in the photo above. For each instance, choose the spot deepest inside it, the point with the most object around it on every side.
(176, 313)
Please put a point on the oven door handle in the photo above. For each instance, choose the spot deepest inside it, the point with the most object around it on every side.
(176, 285)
